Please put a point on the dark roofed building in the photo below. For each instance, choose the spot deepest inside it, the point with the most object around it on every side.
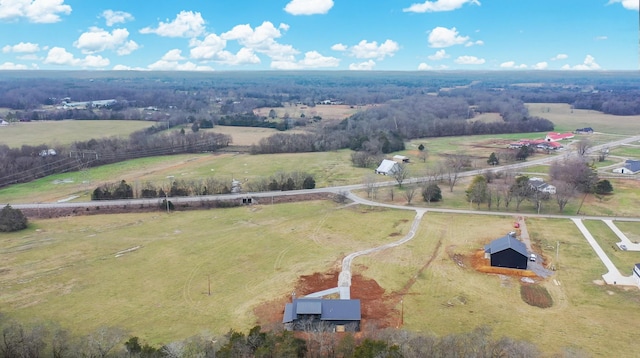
(508, 252)
(308, 313)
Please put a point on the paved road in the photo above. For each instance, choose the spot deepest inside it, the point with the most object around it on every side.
(613, 277)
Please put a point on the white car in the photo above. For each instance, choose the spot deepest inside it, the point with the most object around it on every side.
(533, 257)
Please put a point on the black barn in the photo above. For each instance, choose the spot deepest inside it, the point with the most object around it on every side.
(507, 252)
(311, 313)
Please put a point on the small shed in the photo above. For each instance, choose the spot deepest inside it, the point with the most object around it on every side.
(400, 159)
(312, 313)
(387, 167)
(507, 252)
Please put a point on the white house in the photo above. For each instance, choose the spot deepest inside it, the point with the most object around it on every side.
(636, 273)
(630, 167)
(539, 185)
(3, 123)
(387, 167)
(400, 159)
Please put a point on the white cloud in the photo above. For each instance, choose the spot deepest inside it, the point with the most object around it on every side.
(424, 67)
(439, 55)
(12, 66)
(128, 68)
(362, 66)
(474, 43)
(186, 24)
(339, 47)
(163, 65)
(442, 37)
(60, 56)
(22, 47)
(439, 5)
(242, 57)
(38, 11)
(262, 40)
(366, 49)
(600, 38)
(627, 4)
(308, 7)
(469, 60)
(208, 48)
(589, 63)
(116, 17)
(540, 66)
(312, 59)
(512, 65)
(98, 40)
(173, 55)
(560, 56)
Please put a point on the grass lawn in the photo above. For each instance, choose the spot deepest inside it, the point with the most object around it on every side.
(68, 270)
(630, 151)
(448, 298)
(607, 239)
(66, 132)
(631, 229)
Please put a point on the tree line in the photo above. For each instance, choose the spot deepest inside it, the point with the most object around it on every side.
(50, 340)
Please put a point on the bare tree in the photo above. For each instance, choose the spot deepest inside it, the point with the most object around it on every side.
(575, 171)
(104, 339)
(583, 146)
(401, 173)
(453, 166)
(564, 193)
(409, 193)
(370, 185)
(603, 154)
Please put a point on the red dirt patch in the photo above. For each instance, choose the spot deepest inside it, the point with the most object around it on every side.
(481, 264)
(377, 307)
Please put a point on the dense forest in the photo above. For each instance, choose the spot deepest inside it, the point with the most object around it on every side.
(406, 105)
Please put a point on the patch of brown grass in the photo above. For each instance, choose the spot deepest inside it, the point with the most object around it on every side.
(536, 295)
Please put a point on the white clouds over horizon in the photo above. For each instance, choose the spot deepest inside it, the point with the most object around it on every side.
(439, 55)
(22, 47)
(36, 11)
(60, 56)
(362, 66)
(186, 24)
(589, 63)
(469, 60)
(439, 5)
(512, 65)
(116, 17)
(312, 59)
(98, 40)
(308, 7)
(441, 37)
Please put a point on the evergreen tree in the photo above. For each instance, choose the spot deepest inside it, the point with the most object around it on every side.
(12, 219)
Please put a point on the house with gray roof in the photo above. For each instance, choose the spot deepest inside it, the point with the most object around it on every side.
(304, 314)
(387, 167)
(508, 252)
(630, 167)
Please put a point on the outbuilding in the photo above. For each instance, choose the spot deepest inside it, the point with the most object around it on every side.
(304, 314)
(508, 252)
(387, 167)
(630, 167)
(636, 273)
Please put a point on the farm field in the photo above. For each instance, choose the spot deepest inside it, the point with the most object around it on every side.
(104, 270)
(66, 132)
(567, 119)
(325, 111)
(148, 273)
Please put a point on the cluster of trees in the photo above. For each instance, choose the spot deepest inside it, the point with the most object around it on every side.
(38, 340)
(20, 165)
(294, 180)
(570, 178)
(12, 219)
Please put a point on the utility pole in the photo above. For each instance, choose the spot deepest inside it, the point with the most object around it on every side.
(209, 279)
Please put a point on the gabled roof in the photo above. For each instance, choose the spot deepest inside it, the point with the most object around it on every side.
(387, 166)
(506, 242)
(553, 136)
(633, 165)
(329, 310)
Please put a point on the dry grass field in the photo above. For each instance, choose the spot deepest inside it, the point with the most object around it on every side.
(325, 111)
(65, 132)
(567, 119)
(84, 272)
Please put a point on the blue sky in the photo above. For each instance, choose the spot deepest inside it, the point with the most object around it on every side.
(399, 35)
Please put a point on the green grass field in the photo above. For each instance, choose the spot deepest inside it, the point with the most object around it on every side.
(68, 270)
(65, 132)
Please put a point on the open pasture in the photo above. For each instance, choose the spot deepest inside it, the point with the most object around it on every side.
(149, 273)
(567, 119)
(65, 132)
(325, 111)
(451, 297)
